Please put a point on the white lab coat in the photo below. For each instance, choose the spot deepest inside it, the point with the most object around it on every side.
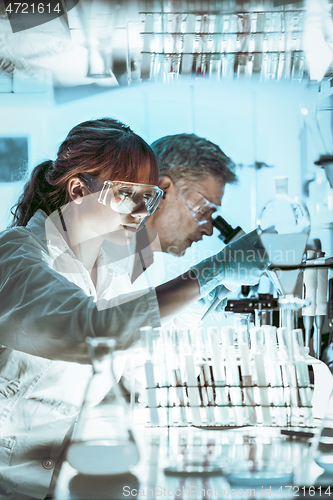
(45, 316)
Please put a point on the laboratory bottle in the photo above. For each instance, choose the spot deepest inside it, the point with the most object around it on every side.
(102, 442)
(284, 227)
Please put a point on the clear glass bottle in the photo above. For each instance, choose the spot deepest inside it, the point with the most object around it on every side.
(284, 227)
(102, 441)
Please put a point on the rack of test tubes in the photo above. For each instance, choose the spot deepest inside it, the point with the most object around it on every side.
(225, 377)
(223, 42)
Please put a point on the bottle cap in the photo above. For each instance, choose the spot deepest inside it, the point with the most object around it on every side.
(281, 185)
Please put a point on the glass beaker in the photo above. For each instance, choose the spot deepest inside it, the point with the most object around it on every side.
(102, 441)
(263, 317)
(241, 321)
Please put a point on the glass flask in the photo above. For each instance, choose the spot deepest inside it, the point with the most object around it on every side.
(102, 442)
(284, 227)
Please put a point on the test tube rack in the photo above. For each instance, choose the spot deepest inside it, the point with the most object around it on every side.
(223, 44)
(171, 411)
(187, 390)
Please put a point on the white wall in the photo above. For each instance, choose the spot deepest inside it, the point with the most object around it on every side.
(27, 115)
(249, 121)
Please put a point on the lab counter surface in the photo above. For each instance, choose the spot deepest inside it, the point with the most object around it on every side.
(279, 466)
(285, 468)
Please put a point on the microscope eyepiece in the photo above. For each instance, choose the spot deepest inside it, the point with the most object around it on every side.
(227, 232)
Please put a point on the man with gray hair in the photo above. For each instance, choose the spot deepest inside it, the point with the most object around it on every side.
(193, 174)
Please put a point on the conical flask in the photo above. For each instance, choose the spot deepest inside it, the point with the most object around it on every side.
(102, 441)
(284, 227)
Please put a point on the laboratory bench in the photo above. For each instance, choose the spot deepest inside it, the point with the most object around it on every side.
(253, 461)
(201, 463)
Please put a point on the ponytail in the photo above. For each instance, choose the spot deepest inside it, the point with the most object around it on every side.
(37, 194)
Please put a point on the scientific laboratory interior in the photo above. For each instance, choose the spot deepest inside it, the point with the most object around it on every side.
(166, 249)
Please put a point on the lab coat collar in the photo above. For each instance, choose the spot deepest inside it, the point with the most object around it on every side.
(49, 229)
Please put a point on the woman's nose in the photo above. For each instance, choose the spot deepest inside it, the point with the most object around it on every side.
(140, 211)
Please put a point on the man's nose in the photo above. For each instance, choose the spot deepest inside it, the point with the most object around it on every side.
(207, 228)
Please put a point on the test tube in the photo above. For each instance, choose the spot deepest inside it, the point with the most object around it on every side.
(187, 61)
(201, 62)
(147, 340)
(176, 369)
(244, 26)
(162, 375)
(158, 71)
(205, 378)
(259, 42)
(177, 37)
(303, 376)
(274, 374)
(287, 21)
(146, 50)
(219, 375)
(298, 56)
(232, 33)
(273, 37)
(190, 377)
(243, 345)
(298, 66)
(257, 347)
(169, 359)
(289, 371)
(215, 61)
(227, 333)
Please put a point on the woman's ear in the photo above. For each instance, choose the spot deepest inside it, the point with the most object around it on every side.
(76, 190)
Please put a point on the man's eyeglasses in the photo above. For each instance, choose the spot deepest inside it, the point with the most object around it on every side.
(124, 197)
(201, 209)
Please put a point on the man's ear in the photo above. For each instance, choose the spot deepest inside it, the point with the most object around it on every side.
(166, 184)
(76, 188)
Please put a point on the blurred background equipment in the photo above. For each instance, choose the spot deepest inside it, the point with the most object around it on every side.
(115, 42)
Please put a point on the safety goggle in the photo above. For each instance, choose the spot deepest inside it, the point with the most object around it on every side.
(125, 197)
(201, 209)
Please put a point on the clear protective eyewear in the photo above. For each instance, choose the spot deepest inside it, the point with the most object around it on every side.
(201, 208)
(125, 197)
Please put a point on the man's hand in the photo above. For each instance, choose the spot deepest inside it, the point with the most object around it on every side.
(240, 263)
